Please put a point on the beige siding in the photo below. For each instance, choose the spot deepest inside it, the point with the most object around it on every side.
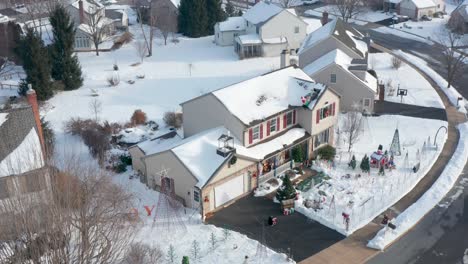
(184, 181)
(348, 86)
(304, 118)
(208, 112)
(326, 99)
(313, 53)
(264, 126)
(137, 159)
(228, 169)
(283, 24)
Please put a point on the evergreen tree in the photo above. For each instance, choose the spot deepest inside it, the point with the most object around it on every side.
(184, 15)
(229, 9)
(199, 19)
(65, 65)
(239, 12)
(215, 14)
(185, 260)
(365, 166)
(35, 59)
(286, 191)
(298, 154)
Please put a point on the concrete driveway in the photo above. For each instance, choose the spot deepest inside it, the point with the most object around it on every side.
(294, 234)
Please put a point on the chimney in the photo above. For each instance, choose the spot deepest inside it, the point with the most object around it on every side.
(284, 59)
(81, 11)
(324, 19)
(32, 100)
(381, 92)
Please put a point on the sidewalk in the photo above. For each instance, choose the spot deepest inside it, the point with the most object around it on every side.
(353, 249)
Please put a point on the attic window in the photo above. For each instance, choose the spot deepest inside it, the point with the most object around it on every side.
(262, 98)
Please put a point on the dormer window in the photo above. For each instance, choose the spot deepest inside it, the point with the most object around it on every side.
(256, 133)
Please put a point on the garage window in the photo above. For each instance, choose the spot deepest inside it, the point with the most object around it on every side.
(196, 195)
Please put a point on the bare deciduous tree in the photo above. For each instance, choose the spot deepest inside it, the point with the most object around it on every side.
(6, 67)
(352, 127)
(139, 253)
(452, 58)
(286, 3)
(95, 106)
(396, 62)
(82, 217)
(141, 48)
(347, 9)
(98, 27)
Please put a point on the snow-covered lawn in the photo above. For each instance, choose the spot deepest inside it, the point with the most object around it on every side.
(430, 199)
(363, 196)
(361, 19)
(232, 250)
(451, 92)
(420, 91)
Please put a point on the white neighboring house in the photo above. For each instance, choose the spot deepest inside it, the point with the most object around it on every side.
(415, 9)
(265, 30)
(85, 13)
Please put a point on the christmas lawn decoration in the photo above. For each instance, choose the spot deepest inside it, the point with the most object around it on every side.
(286, 191)
(395, 146)
(365, 166)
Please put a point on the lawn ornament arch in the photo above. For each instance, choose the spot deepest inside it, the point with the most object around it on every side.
(435, 138)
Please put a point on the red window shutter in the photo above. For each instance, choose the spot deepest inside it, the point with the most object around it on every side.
(261, 131)
(278, 127)
(318, 117)
(285, 121)
(294, 117)
(333, 109)
(268, 128)
(250, 136)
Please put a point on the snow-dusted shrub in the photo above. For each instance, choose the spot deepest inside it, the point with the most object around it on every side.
(327, 152)
(112, 81)
(396, 63)
(173, 119)
(139, 253)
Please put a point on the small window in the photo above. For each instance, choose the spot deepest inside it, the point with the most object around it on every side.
(367, 102)
(256, 133)
(289, 118)
(236, 34)
(333, 78)
(196, 195)
(273, 125)
(322, 138)
(296, 30)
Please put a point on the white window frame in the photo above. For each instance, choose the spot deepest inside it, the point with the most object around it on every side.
(292, 118)
(366, 102)
(322, 138)
(331, 78)
(255, 138)
(275, 126)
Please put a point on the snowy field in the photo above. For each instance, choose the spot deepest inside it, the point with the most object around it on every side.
(420, 91)
(430, 199)
(364, 196)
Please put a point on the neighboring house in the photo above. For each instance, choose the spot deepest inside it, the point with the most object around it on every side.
(23, 173)
(414, 9)
(85, 13)
(239, 136)
(9, 32)
(459, 19)
(119, 17)
(336, 55)
(264, 30)
(165, 11)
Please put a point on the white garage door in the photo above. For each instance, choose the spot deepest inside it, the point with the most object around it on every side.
(229, 190)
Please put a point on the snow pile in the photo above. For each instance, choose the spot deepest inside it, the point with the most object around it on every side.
(3, 118)
(365, 196)
(26, 157)
(420, 91)
(430, 199)
(451, 92)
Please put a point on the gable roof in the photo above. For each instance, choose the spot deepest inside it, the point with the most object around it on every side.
(89, 6)
(463, 11)
(341, 59)
(233, 24)
(423, 3)
(20, 148)
(342, 32)
(266, 95)
(261, 12)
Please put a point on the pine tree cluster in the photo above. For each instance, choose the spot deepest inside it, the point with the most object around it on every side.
(198, 17)
(45, 64)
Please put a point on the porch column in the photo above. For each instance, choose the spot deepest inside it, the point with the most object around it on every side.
(307, 150)
(275, 164)
(291, 158)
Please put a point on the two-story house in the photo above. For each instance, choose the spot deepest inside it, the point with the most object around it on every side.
(239, 136)
(414, 9)
(24, 175)
(264, 30)
(336, 54)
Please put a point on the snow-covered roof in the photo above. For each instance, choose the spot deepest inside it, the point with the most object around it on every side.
(262, 12)
(424, 3)
(339, 58)
(176, 3)
(233, 24)
(26, 157)
(267, 95)
(160, 144)
(4, 19)
(341, 31)
(292, 11)
(89, 6)
(89, 30)
(250, 39)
